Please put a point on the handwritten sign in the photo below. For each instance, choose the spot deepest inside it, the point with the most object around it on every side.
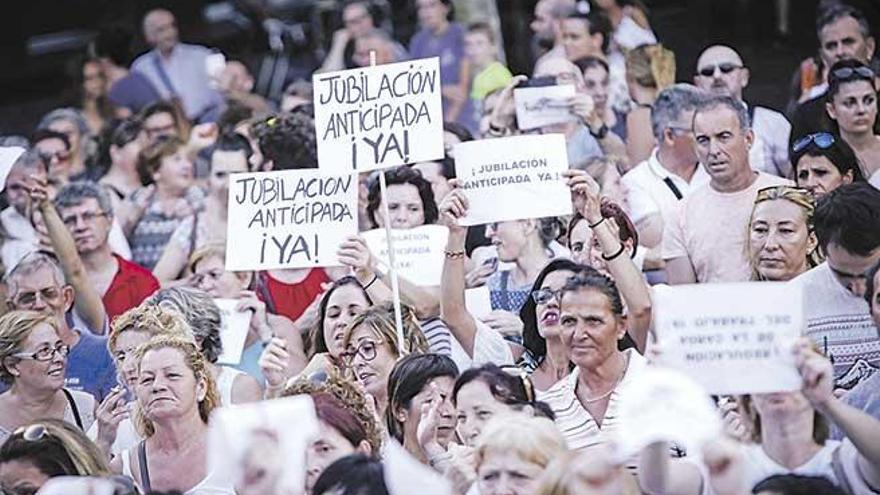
(513, 178)
(665, 405)
(234, 329)
(289, 219)
(731, 338)
(539, 107)
(418, 252)
(379, 117)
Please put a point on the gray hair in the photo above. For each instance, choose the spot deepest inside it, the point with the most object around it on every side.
(671, 103)
(713, 101)
(75, 193)
(838, 11)
(199, 311)
(29, 160)
(69, 114)
(15, 140)
(29, 264)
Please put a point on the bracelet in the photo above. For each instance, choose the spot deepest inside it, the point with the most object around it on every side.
(615, 255)
(454, 255)
(375, 277)
(594, 225)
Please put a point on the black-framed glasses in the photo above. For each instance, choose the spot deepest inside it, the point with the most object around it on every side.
(27, 299)
(44, 354)
(366, 350)
(822, 140)
(725, 68)
(862, 72)
(87, 217)
(543, 295)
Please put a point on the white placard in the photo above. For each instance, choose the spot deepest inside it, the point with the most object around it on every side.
(513, 178)
(478, 301)
(379, 117)
(233, 331)
(731, 338)
(8, 156)
(256, 442)
(403, 473)
(418, 252)
(664, 405)
(539, 107)
(289, 219)
(77, 485)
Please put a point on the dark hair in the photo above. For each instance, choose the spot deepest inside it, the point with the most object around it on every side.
(150, 158)
(834, 82)
(610, 209)
(403, 175)
(318, 342)
(447, 168)
(234, 114)
(161, 106)
(288, 140)
(125, 132)
(849, 216)
(232, 141)
(354, 474)
(595, 281)
(332, 411)
(505, 387)
(43, 134)
(408, 378)
(459, 130)
(837, 11)
(114, 43)
(590, 62)
(597, 22)
(532, 339)
(870, 275)
(796, 484)
(838, 153)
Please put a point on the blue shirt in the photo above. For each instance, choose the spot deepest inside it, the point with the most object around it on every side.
(90, 367)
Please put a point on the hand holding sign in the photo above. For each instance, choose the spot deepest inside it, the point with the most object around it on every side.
(817, 373)
(585, 195)
(453, 208)
(354, 253)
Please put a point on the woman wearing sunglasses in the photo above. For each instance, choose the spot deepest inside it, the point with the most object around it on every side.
(851, 102)
(823, 162)
(43, 450)
(33, 360)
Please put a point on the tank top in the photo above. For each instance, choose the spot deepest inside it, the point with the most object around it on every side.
(225, 381)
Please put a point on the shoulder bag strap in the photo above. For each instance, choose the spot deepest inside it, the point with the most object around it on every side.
(73, 408)
(142, 464)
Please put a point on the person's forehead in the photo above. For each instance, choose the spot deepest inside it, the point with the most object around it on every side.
(159, 117)
(42, 332)
(555, 67)
(229, 159)
(354, 11)
(41, 278)
(719, 55)
(85, 204)
(845, 27)
(162, 357)
(856, 88)
(403, 191)
(160, 18)
(715, 119)
(780, 210)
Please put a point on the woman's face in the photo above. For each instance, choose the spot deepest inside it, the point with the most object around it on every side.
(854, 107)
(344, 303)
(509, 238)
(210, 275)
(596, 84)
(326, 449)
(70, 130)
(123, 355)
(779, 240)
(167, 387)
(819, 176)
(475, 407)
(506, 473)
(404, 206)
(372, 359)
(446, 420)
(44, 375)
(577, 41)
(21, 476)
(585, 248)
(224, 163)
(175, 172)
(781, 406)
(94, 83)
(548, 313)
(590, 329)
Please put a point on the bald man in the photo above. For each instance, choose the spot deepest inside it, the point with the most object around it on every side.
(178, 70)
(720, 69)
(547, 26)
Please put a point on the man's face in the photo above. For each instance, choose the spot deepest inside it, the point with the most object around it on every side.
(849, 268)
(722, 146)
(88, 224)
(56, 156)
(842, 40)
(721, 70)
(224, 163)
(160, 30)
(17, 189)
(159, 125)
(543, 24)
(40, 291)
(357, 20)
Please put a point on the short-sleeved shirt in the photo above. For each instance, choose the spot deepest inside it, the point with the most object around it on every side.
(155, 228)
(711, 228)
(493, 77)
(769, 152)
(90, 367)
(130, 286)
(650, 188)
(449, 46)
(489, 345)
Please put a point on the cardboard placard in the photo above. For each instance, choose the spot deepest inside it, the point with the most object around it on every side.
(513, 178)
(731, 338)
(289, 219)
(234, 329)
(418, 252)
(539, 107)
(379, 117)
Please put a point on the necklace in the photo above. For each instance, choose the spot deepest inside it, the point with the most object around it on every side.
(590, 400)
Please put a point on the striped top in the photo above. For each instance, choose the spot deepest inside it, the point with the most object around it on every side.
(577, 425)
(489, 345)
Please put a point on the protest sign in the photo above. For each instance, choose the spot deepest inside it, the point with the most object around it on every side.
(418, 252)
(665, 405)
(731, 338)
(255, 449)
(513, 178)
(403, 473)
(8, 157)
(539, 107)
(379, 117)
(234, 329)
(289, 219)
(478, 301)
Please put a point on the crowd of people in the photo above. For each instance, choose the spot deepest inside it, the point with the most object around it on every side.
(113, 253)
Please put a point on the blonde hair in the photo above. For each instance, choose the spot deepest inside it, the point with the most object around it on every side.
(651, 66)
(564, 475)
(195, 361)
(533, 439)
(15, 327)
(380, 320)
(154, 320)
(208, 251)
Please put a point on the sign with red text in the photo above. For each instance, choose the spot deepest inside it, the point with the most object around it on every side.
(731, 338)
(379, 117)
(513, 178)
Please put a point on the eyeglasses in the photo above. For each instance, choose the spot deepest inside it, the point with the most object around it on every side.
(45, 353)
(851, 72)
(543, 295)
(49, 295)
(366, 350)
(87, 217)
(823, 140)
(725, 68)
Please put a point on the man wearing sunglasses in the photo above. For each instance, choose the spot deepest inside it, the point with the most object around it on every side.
(720, 69)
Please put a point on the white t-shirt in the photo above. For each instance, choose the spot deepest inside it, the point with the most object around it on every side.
(648, 192)
(769, 152)
(841, 325)
(711, 228)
